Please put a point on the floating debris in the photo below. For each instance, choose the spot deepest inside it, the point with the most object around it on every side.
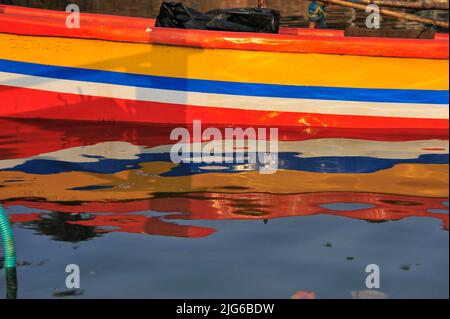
(304, 295)
(350, 258)
(23, 263)
(43, 262)
(405, 267)
(369, 294)
(68, 293)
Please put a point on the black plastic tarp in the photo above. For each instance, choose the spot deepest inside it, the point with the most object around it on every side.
(177, 15)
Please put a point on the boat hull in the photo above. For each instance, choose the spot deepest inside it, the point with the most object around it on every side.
(97, 80)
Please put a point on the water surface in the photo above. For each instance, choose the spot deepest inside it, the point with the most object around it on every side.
(107, 198)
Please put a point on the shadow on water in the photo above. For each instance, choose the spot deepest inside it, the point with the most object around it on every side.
(63, 227)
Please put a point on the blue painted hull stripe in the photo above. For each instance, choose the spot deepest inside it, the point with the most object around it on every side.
(231, 88)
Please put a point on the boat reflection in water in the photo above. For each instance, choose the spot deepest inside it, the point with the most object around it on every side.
(84, 180)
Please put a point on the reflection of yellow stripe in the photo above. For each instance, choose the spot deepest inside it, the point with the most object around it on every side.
(406, 179)
(230, 65)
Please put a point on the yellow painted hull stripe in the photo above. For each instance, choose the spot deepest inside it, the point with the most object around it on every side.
(229, 65)
(430, 180)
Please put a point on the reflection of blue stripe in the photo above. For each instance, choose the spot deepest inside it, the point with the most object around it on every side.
(287, 161)
(221, 87)
(331, 165)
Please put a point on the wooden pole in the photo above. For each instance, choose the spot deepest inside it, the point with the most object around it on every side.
(390, 13)
(419, 4)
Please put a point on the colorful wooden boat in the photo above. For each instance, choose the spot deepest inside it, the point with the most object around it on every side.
(125, 69)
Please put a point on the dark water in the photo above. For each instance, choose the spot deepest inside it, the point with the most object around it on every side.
(107, 198)
(293, 12)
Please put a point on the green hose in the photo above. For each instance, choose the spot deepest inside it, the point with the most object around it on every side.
(10, 255)
(8, 240)
(11, 283)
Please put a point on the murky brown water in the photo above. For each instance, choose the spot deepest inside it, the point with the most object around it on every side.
(294, 12)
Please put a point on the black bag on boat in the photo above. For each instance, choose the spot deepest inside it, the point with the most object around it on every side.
(245, 20)
(176, 15)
